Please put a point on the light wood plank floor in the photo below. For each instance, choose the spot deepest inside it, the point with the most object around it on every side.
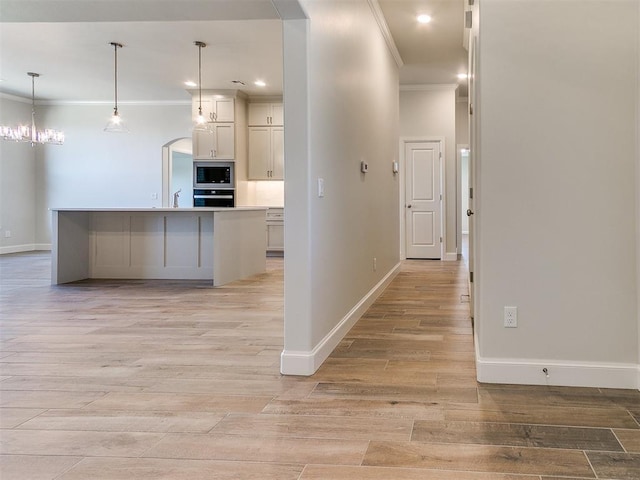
(175, 380)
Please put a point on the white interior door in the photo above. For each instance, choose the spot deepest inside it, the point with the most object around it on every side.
(423, 200)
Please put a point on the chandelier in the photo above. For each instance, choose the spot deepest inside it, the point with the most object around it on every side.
(29, 133)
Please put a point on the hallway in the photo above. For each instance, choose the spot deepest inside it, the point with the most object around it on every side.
(173, 380)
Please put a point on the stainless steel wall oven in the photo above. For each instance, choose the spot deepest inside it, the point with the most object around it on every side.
(213, 184)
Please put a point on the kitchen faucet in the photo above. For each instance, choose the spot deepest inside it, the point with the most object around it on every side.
(175, 198)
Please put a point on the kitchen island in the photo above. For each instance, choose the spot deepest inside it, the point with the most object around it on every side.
(217, 244)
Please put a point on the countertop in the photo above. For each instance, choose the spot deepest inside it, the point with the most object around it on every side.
(160, 209)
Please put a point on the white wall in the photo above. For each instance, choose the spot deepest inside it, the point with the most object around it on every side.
(556, 215)
(98, 169)
(341, 108)
(462, 121)
(17, 181)
(430, 111)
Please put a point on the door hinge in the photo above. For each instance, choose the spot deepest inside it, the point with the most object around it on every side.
(470, 109)
(440, 154)
(440, 239)
(440, 197)
(471, 192)
(471, 277)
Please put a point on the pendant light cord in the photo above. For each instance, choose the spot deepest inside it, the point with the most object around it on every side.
(34, 132)
(115, 74)
(33, 91)
(200, 45)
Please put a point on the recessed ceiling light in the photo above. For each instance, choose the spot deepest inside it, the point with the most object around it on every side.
(424, 18)
(259, 83)
(189, 83)
(462, 76)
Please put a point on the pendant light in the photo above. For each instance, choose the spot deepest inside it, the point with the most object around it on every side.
(201, 121)
(25, 133)
(115, 124)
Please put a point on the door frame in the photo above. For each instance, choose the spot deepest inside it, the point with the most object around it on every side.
(459, 193)
(167, 167)
(402, 189)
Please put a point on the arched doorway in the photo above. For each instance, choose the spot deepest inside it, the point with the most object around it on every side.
(177, 172)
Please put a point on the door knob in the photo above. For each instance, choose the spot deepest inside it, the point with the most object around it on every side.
(408, 206)
(469, 212)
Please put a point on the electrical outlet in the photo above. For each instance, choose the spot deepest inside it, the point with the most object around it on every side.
(511, 317)
(7, 234)
(154, 196)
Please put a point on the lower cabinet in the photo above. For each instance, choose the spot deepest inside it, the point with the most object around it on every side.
(275, 232)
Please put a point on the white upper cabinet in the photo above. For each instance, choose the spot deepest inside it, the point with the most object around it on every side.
(217, 143)
(266, 114)
(266, 153)
(214, 108)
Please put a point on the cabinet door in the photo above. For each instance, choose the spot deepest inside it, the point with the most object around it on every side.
(259, 113)
(277, 153)
(204, 144)
(259, 153)
(224, 140)
(275, 236)
(277, 114)
(223, 109)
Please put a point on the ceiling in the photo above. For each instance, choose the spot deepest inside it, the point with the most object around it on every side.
(67, 42)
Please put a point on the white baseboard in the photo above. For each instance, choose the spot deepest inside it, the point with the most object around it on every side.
(450, 257)
(561, 373)
(29, 247)
(307, 362)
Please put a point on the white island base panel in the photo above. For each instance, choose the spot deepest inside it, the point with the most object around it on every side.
(221, 245)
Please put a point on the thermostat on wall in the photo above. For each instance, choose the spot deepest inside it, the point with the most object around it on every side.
(364, 167)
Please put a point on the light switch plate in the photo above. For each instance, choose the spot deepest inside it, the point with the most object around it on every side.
(320, 187)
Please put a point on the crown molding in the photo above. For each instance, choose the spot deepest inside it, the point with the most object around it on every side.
(15, 98)
(386, 33)
(440, 86)
(149, 103)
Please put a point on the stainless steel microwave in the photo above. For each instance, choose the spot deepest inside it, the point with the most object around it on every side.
(213, 175)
